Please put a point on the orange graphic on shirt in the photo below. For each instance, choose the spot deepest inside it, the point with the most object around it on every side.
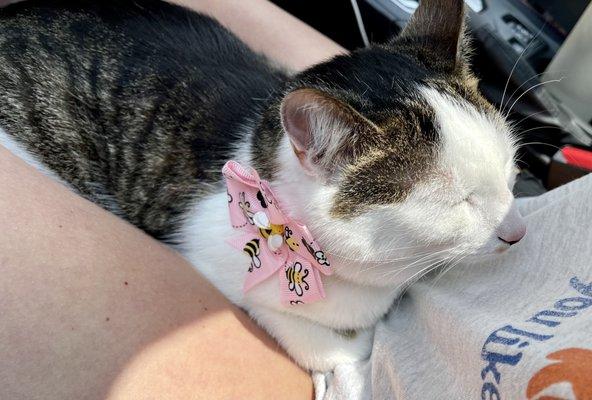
(574, 366)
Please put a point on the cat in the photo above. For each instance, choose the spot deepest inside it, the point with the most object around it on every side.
(389, 154)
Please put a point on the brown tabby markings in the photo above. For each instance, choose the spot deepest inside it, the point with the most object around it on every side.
(127, 102)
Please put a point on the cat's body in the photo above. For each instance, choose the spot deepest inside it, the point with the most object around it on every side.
(137, 106)
(116, 97)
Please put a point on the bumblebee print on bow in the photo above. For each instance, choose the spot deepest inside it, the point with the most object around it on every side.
(274, 243)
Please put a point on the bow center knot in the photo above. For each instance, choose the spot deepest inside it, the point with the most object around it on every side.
(274, 233)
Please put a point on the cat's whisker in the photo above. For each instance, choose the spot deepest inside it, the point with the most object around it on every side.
(446, 263)
(535, 129)
(386, 250)
(377, 261)
(454, 261)
(540, 143)
(328, 241)
(408, 282)
(419, 263)
(516, 64)
(422, 269)
(522, 85)
(529, 90)
(458, 262)
(391, 249)
(420, 258)
(511, 96)
(433, 254)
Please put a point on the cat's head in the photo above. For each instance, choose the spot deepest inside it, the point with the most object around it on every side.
(391, 155)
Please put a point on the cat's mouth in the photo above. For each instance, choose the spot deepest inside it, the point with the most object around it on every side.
(498, 246)
(504, 245)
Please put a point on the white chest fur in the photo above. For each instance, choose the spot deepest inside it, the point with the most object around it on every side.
(310, 332)
(207, 226)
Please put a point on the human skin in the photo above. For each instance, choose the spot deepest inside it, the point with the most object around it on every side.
(267, 29)
(92, 308)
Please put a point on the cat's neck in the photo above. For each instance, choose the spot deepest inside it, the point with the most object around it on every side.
(307, 201)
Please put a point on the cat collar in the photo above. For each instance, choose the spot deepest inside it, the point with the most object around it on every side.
(274, 242)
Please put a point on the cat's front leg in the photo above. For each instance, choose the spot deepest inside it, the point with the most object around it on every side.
(313, 346)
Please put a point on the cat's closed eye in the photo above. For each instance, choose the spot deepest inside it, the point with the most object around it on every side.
(470, 199)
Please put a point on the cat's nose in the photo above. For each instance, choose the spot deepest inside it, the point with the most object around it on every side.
(511, 242)
(512, 229)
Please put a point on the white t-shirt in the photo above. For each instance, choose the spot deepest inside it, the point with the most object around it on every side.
(516, 326)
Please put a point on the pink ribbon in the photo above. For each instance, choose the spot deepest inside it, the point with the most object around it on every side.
(275, 243)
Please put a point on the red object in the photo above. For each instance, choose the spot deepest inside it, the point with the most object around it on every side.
(578, 157)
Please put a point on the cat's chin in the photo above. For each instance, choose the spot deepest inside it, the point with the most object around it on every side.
(488, 253)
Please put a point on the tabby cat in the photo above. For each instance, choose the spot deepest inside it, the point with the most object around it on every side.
(389, 155)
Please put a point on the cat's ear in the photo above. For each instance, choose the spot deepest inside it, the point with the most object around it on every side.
(324, 132)
(436, 29)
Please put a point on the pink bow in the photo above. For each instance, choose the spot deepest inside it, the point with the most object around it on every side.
(274, 242)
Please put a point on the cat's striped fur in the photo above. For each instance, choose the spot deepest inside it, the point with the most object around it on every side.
(388, 154)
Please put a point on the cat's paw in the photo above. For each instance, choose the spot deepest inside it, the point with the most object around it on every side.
(343, 349)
